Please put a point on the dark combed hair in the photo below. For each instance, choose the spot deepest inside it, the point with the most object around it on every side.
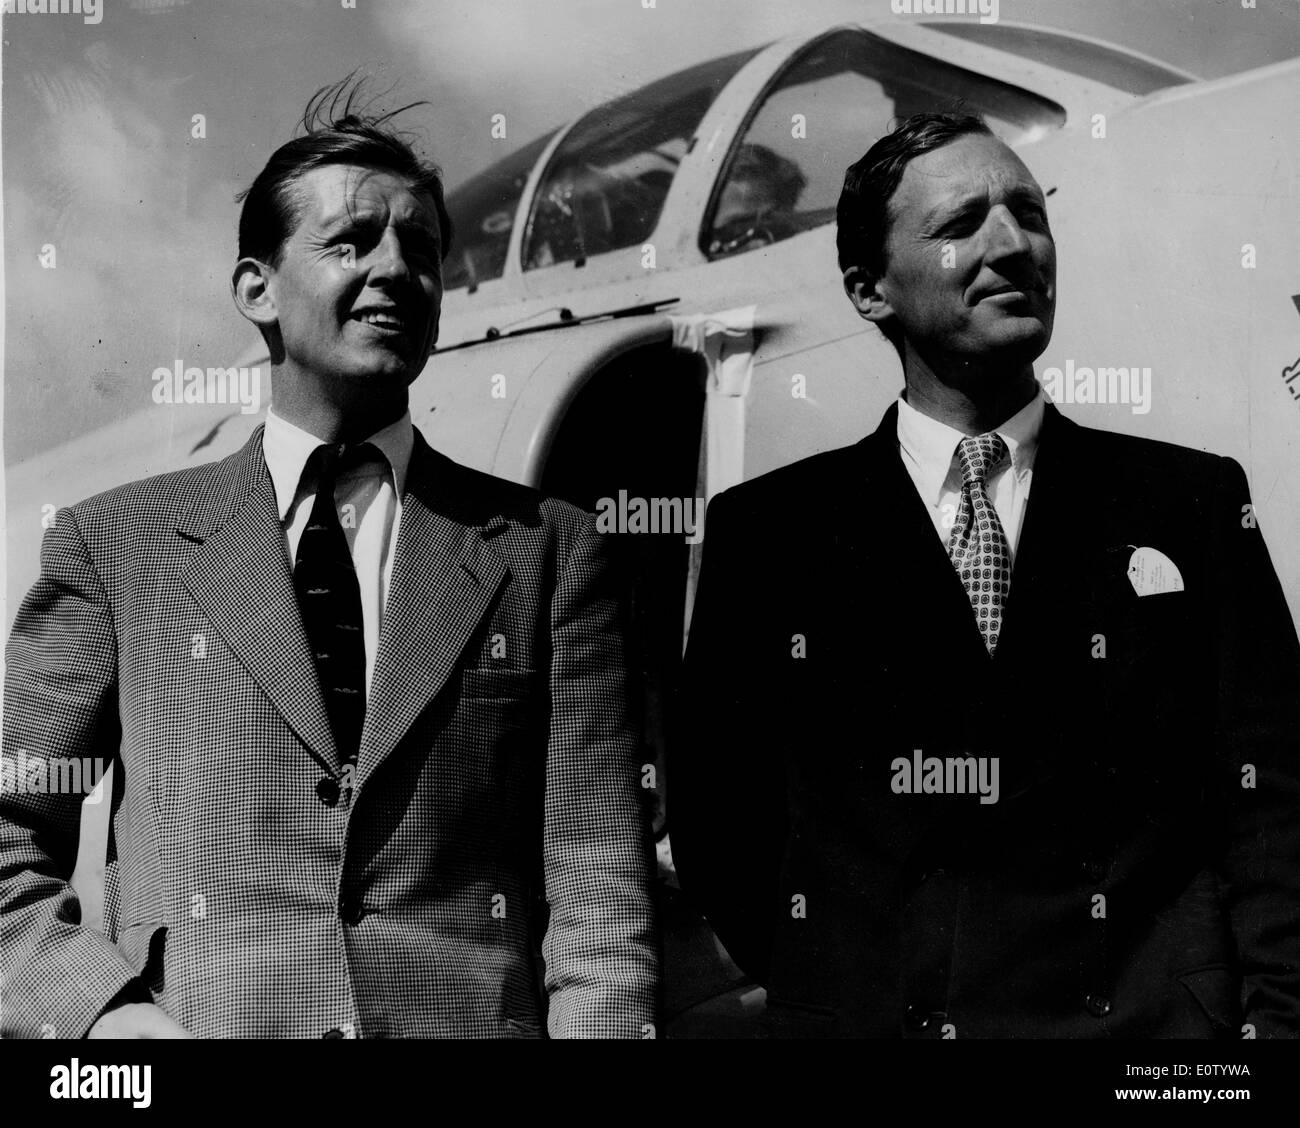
(862, 216)
(338, 128)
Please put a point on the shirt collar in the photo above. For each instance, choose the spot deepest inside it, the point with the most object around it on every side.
(287, 447)
(932, 446)
(1021, 431)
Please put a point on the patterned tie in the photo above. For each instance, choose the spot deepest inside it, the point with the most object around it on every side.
(329, 599)
(978, 546)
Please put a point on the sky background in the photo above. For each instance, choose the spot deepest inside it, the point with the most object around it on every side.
(98, 157)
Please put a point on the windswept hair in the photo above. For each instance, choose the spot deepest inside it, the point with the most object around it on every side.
(339, 127)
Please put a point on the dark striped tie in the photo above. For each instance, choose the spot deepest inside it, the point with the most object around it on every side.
(329, 599)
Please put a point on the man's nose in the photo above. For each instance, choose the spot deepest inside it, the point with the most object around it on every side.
(387, 259)
(1004, 236)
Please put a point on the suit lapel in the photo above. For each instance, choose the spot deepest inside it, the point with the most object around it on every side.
(1050, 618)
(918, 570)
(239, 575)
(1047, 568)
(445, 577)
(908, 594)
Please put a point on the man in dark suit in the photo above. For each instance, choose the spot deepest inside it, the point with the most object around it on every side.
(368, 707)
(992, 722)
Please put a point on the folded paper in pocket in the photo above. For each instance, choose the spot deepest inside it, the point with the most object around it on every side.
(1151, 572)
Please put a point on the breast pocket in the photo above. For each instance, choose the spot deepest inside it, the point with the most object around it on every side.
(487, 765)
(499, 719)
(1158, 635)
(489, 684)
(1167, 610)
(1160, 710)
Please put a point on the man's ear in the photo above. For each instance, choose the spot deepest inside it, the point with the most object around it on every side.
(249, 286)
(865, 294)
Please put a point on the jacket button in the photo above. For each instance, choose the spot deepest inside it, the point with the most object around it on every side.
(335, 1033)
(327, 791)
(351, 910)
(1098, 1005)
(916, 1018)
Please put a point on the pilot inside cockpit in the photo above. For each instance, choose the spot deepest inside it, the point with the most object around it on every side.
(757, 203)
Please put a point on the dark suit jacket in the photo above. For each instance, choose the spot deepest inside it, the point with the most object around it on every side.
(262, 891)
(1121, 775)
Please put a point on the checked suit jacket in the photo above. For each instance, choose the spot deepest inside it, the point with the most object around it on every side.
(1139, 875)
(265, 890)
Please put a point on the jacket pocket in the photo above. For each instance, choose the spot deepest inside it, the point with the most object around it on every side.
(1218, 993)
(524, 1029)
(1165, 624)
(490, 684)
(785, 1019)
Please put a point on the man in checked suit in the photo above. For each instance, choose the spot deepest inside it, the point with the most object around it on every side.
(368, 706)
(993, 725)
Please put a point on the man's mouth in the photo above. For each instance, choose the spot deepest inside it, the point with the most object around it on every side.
(386, 321)
(1007, 291)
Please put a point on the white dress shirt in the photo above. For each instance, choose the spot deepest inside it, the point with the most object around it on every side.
(373, 491)
(929, 450)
